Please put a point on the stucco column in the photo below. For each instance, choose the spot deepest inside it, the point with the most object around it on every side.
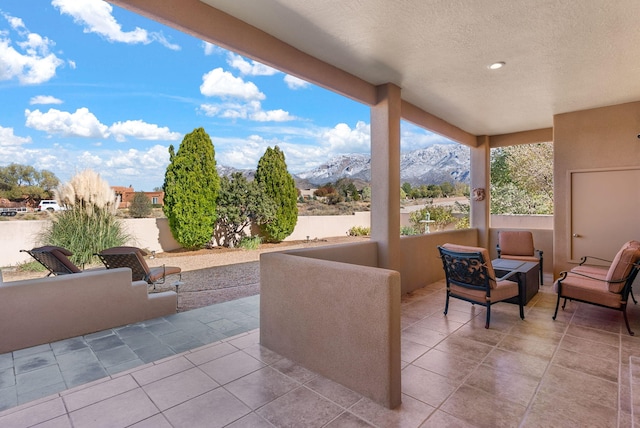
(385, 175)
(480, 179)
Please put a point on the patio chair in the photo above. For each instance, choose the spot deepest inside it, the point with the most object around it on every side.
(55, 259)
(587, 284)
(518, 245)
(133, 258)
(600, 271)
(470, 276)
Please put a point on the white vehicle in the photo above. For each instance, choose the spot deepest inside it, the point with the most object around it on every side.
(49, 205)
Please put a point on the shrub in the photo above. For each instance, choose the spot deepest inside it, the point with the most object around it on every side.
(408, 231)
(359, 231)
(140, 206)
(250, 242)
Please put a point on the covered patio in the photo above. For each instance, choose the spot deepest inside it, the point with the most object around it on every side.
(570, 76)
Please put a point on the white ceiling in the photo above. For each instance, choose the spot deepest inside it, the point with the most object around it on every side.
(561, 55)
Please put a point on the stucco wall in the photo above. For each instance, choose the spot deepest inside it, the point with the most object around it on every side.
(591, 139)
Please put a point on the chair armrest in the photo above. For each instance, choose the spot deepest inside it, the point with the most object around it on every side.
(507, 275)
(564, 275)
(583, 260)
(540, 252)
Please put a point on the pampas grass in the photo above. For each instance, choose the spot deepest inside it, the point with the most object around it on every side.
(88, 225)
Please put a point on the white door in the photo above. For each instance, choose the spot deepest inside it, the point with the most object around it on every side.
(605, 210)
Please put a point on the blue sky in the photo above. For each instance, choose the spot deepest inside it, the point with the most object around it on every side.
(84, 84)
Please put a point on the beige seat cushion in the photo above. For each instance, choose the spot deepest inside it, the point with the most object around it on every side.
(521, 258)
(485, 256)
(621, 265)
(579, 287)
(503, 290)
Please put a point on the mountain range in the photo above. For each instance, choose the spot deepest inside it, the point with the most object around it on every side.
(431, 165)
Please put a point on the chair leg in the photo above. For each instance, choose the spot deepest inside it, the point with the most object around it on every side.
(521, 303)
(635, 302)
(446, 305)
(626, 321)
(488, 316)
(555, 314)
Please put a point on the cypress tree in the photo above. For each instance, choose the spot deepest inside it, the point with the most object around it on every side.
(278, 185)
(191, 187)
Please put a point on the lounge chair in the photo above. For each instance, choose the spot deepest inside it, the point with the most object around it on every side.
(55, 259)
(133, 258)
(610, 289)
(470, 276)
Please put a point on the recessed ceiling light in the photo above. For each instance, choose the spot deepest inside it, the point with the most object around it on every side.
(496, 65)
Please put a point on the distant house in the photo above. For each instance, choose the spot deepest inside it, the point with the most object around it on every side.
(125, 196)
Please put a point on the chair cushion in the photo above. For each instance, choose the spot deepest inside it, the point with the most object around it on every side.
(485, 256)
(621, 265)
(516, 243)
(522, 258)
(159, 272)
(503, 290)
(591, 290)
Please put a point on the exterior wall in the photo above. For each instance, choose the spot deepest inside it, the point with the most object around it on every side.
(340, 320)
(45, 310)
(421, 263)
(312, 227)
(590, 139)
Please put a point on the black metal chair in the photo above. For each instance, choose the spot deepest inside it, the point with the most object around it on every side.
(133, 258)
(470, 276)
(55, 259)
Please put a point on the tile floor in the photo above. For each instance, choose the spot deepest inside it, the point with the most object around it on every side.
(581, 370)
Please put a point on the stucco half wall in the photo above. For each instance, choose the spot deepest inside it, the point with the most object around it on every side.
(45, 310)
(340, 320)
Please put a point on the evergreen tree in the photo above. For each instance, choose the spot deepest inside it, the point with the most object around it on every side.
(278, 185)
(241, 203)
(191, 187)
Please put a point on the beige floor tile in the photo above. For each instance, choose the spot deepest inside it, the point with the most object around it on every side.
(261, 387)
(101, 391)
(213, 409)
(599, 367)
(426, 386)
(178, 388)
(29, 415)
(252, 420)
(423, 336)
(469, 349)
(293, 370)
(300, 408)
(411, 413)
(348, 420)
(509, 386)
(516, 362)
(161, 370)
(590, 347)
(552, 410)
(263, 354)
(568, 386)
(441, 323)
(59, 422)
(231, 367)
(446, 364)
(209, 353)
(480, 334)
(590, 334)
(482, 409)
(156, 421)
(537, 347)
(409, 350)
(333, 391)
(119, 411)
(440, 419)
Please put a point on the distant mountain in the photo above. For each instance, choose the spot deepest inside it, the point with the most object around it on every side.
(432, 165)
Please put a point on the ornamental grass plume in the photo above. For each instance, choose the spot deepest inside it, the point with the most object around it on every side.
(87, 190)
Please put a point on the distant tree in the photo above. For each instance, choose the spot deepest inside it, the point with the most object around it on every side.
(442, 216)
(279, 185)
(191, 187)
(140, 205)
(522, 179)
(366, 194)
(407, 188)
(241, 203)
(20, 182)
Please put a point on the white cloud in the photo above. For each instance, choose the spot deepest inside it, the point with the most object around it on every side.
(210, 48)
(32, 63)
(96, 17)
(251, 110)
(82, 123)
(294, 82)
(414, 137)
(250, 68)
(44, 99)
(141, 131)
(220, 83)
(9, 139)
(343, 139)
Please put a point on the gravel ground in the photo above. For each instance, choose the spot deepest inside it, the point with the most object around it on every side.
(214, 275)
